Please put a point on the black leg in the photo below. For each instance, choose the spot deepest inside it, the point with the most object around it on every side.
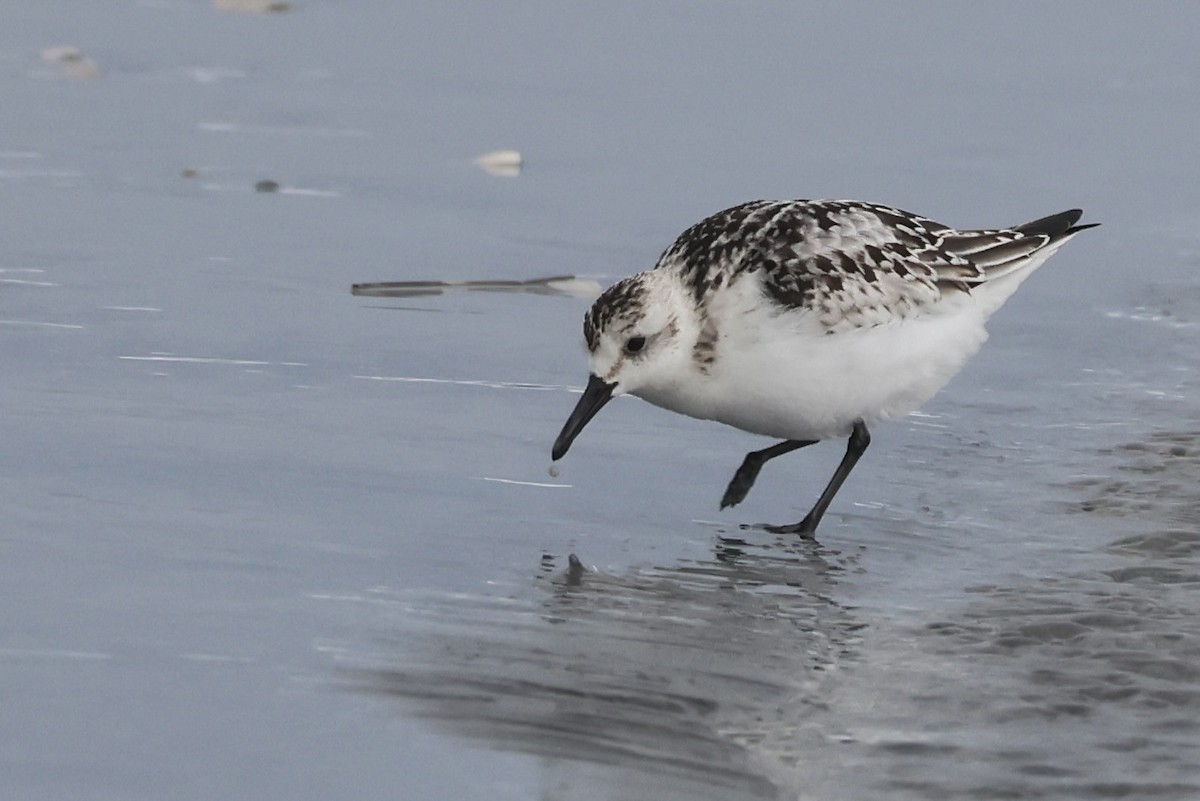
(746, 475)
(860, 438)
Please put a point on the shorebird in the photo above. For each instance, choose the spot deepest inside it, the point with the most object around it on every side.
(805, 320)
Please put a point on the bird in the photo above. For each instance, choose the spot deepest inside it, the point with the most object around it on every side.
(803, 321)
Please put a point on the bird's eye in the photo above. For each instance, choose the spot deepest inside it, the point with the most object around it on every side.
(635, 344)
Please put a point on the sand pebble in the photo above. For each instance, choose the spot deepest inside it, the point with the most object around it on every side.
(74, 63)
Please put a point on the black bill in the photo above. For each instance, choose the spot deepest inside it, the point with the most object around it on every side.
(595, 395)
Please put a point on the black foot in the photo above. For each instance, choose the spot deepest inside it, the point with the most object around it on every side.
(747, 474)
(860, 438)
(741, 482)
(806, 528)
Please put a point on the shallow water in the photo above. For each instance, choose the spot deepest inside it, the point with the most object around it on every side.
(264, 537)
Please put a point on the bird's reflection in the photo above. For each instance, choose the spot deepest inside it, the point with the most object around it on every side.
(697, 678)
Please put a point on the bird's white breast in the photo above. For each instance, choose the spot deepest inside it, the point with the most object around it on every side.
(779, 374)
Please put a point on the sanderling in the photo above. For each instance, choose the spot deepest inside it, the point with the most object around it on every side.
(805, 320)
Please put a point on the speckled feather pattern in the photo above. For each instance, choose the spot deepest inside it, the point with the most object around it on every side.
(850, 263)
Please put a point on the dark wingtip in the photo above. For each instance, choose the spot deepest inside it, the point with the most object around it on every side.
(1056, 225)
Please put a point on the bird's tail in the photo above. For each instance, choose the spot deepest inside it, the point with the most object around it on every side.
(1008, 256)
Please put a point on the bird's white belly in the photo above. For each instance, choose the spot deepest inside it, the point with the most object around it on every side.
(792, 385)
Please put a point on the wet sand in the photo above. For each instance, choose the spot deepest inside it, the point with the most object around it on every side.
(266, 537)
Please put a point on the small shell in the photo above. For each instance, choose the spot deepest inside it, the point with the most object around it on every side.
(252, 6)
(501, 163)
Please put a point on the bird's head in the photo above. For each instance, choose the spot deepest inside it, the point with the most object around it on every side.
(637, 335)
